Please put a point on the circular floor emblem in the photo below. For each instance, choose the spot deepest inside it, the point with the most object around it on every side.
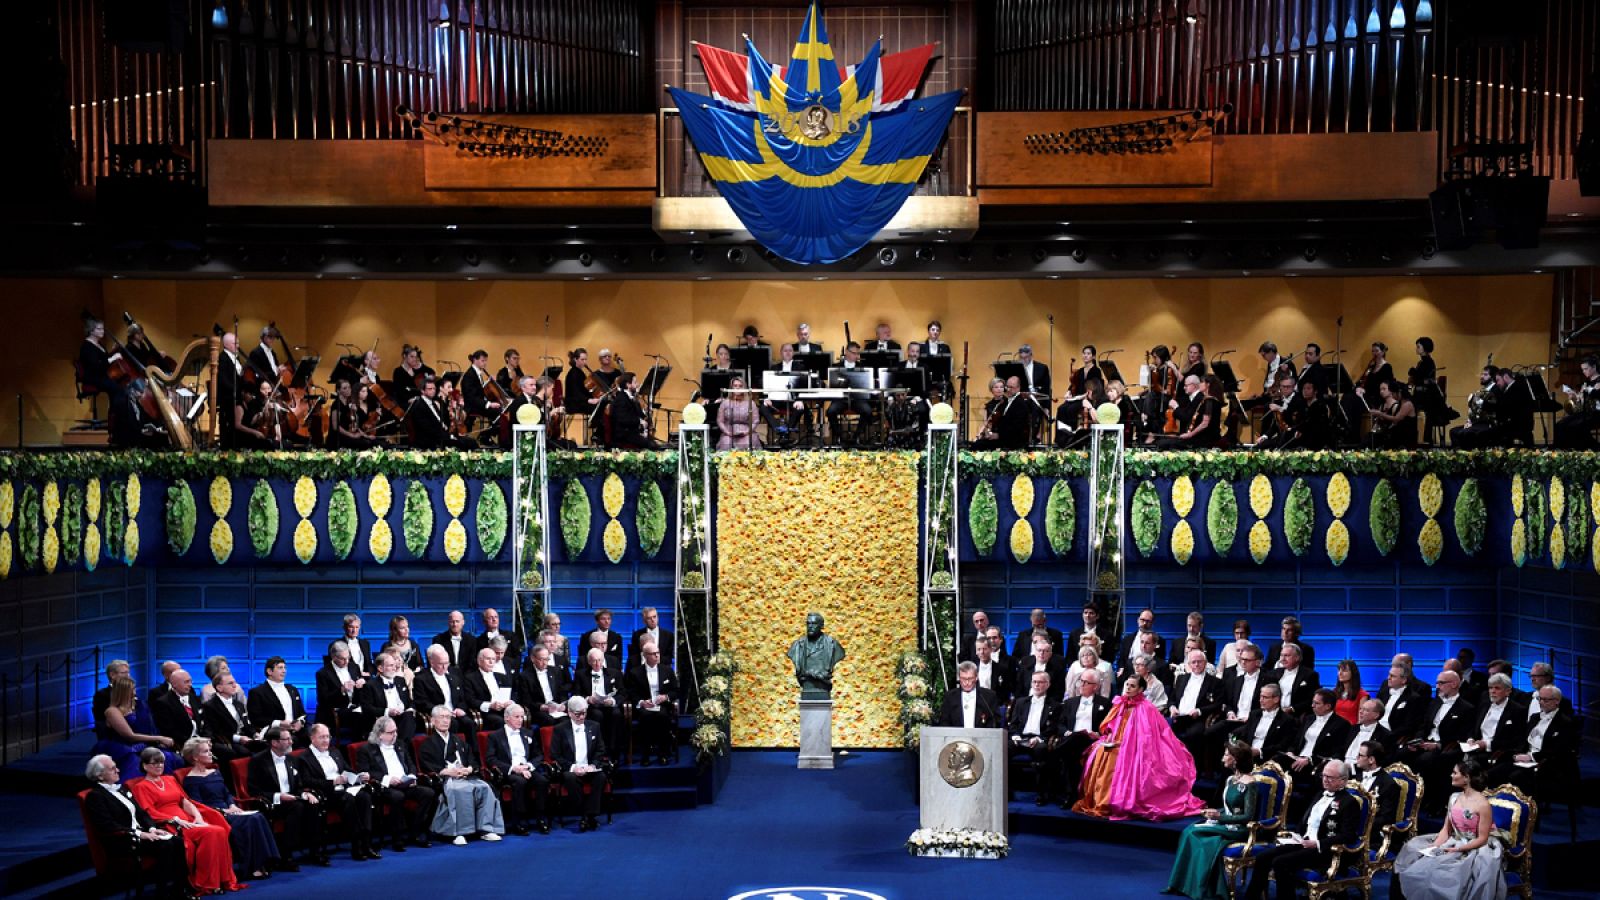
(808, 894)
(960, 764)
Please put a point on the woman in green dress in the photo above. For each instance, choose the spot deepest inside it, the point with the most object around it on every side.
(1197, 870)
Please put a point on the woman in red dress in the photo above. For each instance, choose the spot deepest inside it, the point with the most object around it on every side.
(205, 837)
(1348, 691)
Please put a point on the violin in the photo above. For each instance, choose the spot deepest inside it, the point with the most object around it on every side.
(145, 351)
(1169, 390)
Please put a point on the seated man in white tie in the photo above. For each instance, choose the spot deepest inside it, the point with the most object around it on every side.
(1032, 724)
(125, 829)
(992, 674)
(972, 706)
(515, 752)
(652, 689)
(1079, 726)
(579, 753)
(598, 685)
(488, 691)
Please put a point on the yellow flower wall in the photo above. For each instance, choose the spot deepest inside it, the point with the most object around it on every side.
(830, 532)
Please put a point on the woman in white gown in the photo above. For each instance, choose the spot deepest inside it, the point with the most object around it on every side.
(1462, 861)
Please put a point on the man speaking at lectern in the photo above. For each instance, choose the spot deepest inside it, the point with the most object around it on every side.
(972, 706)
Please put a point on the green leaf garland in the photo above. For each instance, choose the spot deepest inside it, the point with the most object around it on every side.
(1299, 517)
(417, 518)
(261, 518)
(1146, 517)
(29, 534)
(651, 518)
(492, 519)
(180, 517)
(1535, 504)
(575, 515)
(1471, 517)
(115, 501)
(983, 518)
(1060, 517)
(342, 520)
(1577, 530)
(1222, 517)
(1383, 513)
(72, 524)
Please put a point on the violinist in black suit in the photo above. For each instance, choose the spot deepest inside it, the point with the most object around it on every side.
(130, 427)
(264, 359)
(1334, 820)
(516, 755)
(341, 789)
(126, 830)
(409, 375)
(276, 779)
(1034, 720)
(652, 690)
(429, 430)
(395, 783)
(971, 706)
(1078, 727)
(1019, 412)
(386, 694)
(578, 753)
(543, 688)
(630, 429)
(1035, 375)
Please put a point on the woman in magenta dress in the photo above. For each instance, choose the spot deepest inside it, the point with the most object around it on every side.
(737, 418)
(203, 829)
(1138, 769)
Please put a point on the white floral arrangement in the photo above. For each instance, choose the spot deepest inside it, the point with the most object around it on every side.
(712, 710)
(709, 740)
(716, 686)
(915, 686)
(962, 843)
(913, 663)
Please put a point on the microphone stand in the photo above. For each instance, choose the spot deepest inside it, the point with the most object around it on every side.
(650, 401)
(1050, 398)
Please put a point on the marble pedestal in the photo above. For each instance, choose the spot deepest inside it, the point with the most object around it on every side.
(816, 734)
(974, 796)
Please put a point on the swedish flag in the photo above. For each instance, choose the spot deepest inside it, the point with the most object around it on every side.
(812, 171)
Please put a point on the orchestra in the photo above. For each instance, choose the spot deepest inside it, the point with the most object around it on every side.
(880, 393)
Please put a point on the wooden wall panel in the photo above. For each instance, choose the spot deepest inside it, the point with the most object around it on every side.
(629, 160)
(1004, 159)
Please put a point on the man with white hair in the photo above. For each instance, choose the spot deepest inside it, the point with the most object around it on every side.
(579, 754)
(1034, 720)
(1296, 680)
(467, 805)
(1334, 820)
(652, 688)
(341, 789)
(515, 752)
(1502, 728)
(598, 684)
(1197, 696)
(386, 694)
(394, 783)
(488, 691)
(338, 684)
(1552, 748)
(1043, 660)
(125, 829)
(971, 706)
(1448, 722)
(440, 685)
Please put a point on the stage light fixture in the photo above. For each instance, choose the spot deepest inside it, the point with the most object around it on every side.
(1040, 254)
(472, 258)
(697, 254)
(1195, 251)
(1429, 248)
(586, 259)
(888, 256)
(219, 15)
(622, 257)
(547, 258)
(1309, 253)
(925, 253)
(736, 256)
(1079, 254)
(1002, 253)
(658, 255)
(512, 258)
(964, 253)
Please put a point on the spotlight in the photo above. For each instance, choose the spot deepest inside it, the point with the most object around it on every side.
(1040, 254)
(219, 15)
(736, 256)
(1079, 254)
(1115, 253)
(658, 255)
(1152, 252)
(925, 253)
(1309, 253)
(1195, 251)
(1429, 248)
(585, 259)
(697, 254)
(547, 258)
(888, 256)
(471, 258)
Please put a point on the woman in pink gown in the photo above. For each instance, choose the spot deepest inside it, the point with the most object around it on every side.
(1138, 769)
(737, 418)
(203, 829)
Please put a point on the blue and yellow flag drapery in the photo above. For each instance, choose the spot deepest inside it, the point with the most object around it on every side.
(812, 169)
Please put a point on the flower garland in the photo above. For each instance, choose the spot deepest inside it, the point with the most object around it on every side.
(492, 520)
(416, 519)
(1234, 465)
(1383, 516)
(575, 515)
(1299, 517)
(919, 694)
(28, 536)
(650, 518)
(72, 524)
(714, 717)
(1222, 517)
(1146, 517)
(180, 517)
(342, 520)
(1471, 517)
(965, 843)
(1060, 518)
(983, 518)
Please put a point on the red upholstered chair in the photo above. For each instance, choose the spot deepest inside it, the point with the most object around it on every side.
(352, 753)
(120, 870)
(333, 817)
(558, 789)
(241, 782)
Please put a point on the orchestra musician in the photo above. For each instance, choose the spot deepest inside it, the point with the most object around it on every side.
(1200, 416)
(1164, 388)
(1309, 420)
(408, 375)
(751, 337)
(1312, 370)
(1394, 420)
(263, 358)
(94, 360)
(479, 391)
(1195, 361)
(1481, 413)
(231, 395)
(129, 427)
(1275, 431)
(510, 374)
(1277, 365)
(1575, 431)
(1131, 419)
(933, 346)
(609, 369)
(989, 435)
(259, 424)
(1378, 371)
(1018, 416)
(797, 414)
(802, 340)
(140, 347)
(1424, 381)
(882, 342)
(347, 422)
(576, 395)
(630, 427)
(429, 423)
(913, 358)
(908, 419)
(855, 403)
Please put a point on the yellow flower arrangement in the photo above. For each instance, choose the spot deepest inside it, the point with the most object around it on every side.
(1519, 542)
(305, 496)
(91, 546)
(51, 549)
(52, 502)
(221, 539)
(1558, 546)
(455, 495)
(1182, 496)
(381, 541)
(5, 554)
(1021, 540)
(221, 496)
(612, 495)
(134, 494)
(130, 542)
(1260, 496)
(380, 495)
(1594, 503)
(1022, 495)
(91, 500)
(1338, 495)
(455, 541)
(1183, 541)
(1260, 541)
(8, 503)
(1430, 495)
(1337, 542)
(1594, 549)
(850, 553)
(1430, 540)
(1558, 498)
(305, 540)
(1516, 495)
(615, 540)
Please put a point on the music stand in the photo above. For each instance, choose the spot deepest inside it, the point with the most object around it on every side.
(880, 359)
(1005, 371)
(938, 368)
(1224, 372)
(913, 381)
(779, 384)
(1110, 371)
(1543, 402)
(816, 363)
(552, 372)
(751, 359)
(714, 381)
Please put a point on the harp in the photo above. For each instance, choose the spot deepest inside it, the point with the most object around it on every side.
(185, 394)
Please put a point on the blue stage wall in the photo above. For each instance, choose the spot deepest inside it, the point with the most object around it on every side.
(1554, 616)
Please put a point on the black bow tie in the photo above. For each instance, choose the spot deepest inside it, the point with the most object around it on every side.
(387, 685)
(1328, 794)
